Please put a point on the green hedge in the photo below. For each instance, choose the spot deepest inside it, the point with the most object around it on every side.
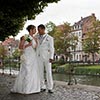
(90, 70)
(62, 68)
(82, 70)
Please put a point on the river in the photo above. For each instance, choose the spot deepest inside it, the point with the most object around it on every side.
(81, 79)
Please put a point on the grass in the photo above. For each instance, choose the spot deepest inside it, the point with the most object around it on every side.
(90, 67)
(88, 70)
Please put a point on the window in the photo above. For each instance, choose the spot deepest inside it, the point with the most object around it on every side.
(74, 27)
(79, 33)
(80, 57)
(77, 57)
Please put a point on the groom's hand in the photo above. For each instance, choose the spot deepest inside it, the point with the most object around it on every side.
(50, 60)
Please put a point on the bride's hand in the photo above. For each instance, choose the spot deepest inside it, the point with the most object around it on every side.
(36, 40)
(29, 44)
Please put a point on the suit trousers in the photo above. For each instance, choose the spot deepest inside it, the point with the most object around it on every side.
(47, 66)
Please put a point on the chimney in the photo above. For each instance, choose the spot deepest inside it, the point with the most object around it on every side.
(81, 18)
(93, 14)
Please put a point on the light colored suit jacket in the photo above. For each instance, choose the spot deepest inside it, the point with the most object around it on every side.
(45, 49)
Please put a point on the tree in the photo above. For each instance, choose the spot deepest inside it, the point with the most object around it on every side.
(50, 27)
(14, 13)
(17, 53)
(63, 39)
(91, 43)
(3, 51)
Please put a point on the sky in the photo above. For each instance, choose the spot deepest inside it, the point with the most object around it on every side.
(69, 11)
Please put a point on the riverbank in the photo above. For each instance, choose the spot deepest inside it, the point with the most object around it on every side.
(61, 91)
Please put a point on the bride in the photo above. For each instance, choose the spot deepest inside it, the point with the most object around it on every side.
(28, 80)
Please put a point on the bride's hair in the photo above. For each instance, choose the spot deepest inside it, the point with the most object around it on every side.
(30, 27)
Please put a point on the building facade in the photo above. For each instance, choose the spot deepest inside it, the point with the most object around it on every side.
(80, 29)
(10, 45)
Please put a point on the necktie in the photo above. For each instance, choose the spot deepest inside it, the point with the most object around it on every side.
(41, 37)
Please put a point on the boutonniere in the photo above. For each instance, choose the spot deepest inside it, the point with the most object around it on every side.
(27, 38)
(47, 39)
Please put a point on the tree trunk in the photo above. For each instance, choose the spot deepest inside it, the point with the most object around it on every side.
(93, 58)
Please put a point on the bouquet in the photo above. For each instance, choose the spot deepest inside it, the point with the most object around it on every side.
(28, 38)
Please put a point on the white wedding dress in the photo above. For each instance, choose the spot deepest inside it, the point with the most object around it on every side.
(28, 80)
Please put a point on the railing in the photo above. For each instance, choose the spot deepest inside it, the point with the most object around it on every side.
(11, 66)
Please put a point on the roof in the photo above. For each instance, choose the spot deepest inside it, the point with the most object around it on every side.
(85, 19)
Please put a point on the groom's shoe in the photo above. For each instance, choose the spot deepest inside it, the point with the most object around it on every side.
(50, 91)
(43, 90)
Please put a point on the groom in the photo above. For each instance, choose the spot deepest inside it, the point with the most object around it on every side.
(45, 52)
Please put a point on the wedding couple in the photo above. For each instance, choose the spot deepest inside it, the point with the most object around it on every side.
(37, 57)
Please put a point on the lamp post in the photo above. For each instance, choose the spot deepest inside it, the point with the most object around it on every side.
(9, 49)
(1, 64)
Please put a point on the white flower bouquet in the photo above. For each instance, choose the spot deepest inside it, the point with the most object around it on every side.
(28, 38)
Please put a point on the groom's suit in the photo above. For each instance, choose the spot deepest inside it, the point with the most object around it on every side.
(45, 51)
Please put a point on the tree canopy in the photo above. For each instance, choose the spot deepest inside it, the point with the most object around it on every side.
(3, 51)
(13, 14)
(63, 39)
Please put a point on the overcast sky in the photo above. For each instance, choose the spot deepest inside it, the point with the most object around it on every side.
(65, 11)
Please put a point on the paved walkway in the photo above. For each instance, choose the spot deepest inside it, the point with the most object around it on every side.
(61, 91)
